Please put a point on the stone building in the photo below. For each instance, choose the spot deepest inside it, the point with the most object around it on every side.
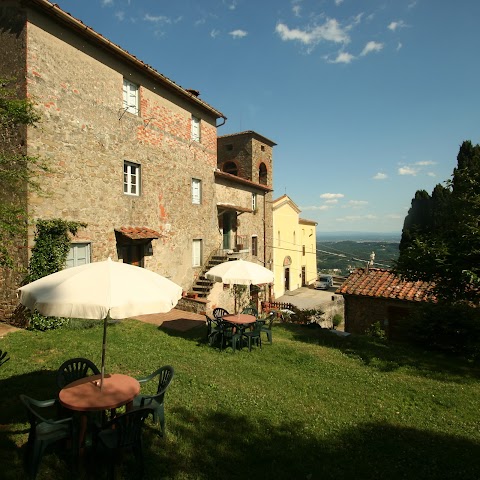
(294, 247)
(132, 154)
(374, 295)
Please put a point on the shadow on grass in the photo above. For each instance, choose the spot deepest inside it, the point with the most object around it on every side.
(13, 418)
(221, 446)
(388, 356)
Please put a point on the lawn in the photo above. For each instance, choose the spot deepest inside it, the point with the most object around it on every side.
(312, 405)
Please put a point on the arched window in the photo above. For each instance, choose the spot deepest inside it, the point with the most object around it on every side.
(262, 174)
(230, 167)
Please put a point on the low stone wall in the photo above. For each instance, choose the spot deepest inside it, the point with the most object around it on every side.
(194, 305)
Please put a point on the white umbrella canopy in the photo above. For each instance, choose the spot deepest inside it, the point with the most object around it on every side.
(101, 290)
(240, 272)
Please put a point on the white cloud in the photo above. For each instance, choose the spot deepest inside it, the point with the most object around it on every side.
(330, 31)
(371, 47)
(296, 9)
(406, 170)
(396, 25)
(431, 174)
(343, 57)
(356, 218)
(315, 207)
(330, 196)
(214, 33)
(380, 176)
(120, 15)
(425, 163)
(106, 3)
(357, 203)
(230, 5)
(238, 33)
(394, 216)
(338, 2)
(332, 201)
(399, 46)
(156, 18)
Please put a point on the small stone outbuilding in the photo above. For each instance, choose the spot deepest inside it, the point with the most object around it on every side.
(377, 295)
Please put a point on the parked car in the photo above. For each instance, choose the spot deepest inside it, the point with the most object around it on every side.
(323, 282)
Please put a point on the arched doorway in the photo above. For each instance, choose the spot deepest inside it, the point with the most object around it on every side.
(287, 261)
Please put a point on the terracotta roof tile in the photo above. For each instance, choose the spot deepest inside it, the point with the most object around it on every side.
(138, 233)
(380, 283)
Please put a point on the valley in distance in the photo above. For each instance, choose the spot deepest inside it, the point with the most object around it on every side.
(339, 253)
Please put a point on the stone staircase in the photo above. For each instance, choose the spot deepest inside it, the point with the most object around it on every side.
(203, 286)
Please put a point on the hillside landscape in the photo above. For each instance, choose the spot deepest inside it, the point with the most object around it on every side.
(343, 255)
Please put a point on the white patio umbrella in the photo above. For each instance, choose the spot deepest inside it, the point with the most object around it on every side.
(101, 290)
(240, 272)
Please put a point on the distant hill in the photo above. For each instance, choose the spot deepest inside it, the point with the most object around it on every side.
(346, 255)
(359, 236)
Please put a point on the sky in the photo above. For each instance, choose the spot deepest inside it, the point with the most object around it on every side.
(368, 101)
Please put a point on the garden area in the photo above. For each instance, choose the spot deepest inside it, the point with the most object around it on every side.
(311, 405)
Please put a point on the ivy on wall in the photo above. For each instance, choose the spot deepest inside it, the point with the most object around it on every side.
(52, 244)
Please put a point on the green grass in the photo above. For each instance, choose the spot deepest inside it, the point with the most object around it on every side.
(310, 406)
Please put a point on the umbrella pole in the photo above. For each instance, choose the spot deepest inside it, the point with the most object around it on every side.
(105, 320)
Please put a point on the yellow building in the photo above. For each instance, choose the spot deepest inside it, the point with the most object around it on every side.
(294, 247)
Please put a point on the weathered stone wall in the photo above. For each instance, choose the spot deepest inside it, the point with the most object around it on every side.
(86, 136)
(12, 67)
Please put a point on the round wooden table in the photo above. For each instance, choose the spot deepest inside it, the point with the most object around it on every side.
(85, 395)
(240, 318)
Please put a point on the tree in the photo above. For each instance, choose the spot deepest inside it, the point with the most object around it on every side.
(17, 169)
(444, 247)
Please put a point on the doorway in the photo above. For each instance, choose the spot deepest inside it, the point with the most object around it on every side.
(287, 278)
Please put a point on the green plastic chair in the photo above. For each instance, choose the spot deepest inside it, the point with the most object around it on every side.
(267, 326)
(123, 432)
(74, 369)
(219, 312)
(254, 335)
(45, 432)
(156, 401)
(3, 357)
(229, 334)
(213, 329)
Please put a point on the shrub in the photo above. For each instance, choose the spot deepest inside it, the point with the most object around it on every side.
(337, 320)
(376, 330)
(450, 328)
(37, 321)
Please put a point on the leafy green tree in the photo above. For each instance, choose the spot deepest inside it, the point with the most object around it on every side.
(17, 169)
(445, 248)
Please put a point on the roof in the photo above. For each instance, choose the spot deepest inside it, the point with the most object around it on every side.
(249, 133)
(244, 181)
(138, 233)
(305, 221)
(284, 200)
(228, 206)
(54, 11)
(382, 283)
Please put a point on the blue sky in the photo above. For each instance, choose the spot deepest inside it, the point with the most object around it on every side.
(368, 101)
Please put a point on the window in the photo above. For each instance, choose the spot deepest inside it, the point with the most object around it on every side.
(133, 254)
(131, 178)
(196, 191)
(303, 250)
(262, 148)
(262, 174)
(130, 97)
(255, 245)
(79, 254)
(231, 168)
(197, 253)
(254, 201)
(195, 129)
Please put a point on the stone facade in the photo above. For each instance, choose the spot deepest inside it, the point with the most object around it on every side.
(75, 77)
